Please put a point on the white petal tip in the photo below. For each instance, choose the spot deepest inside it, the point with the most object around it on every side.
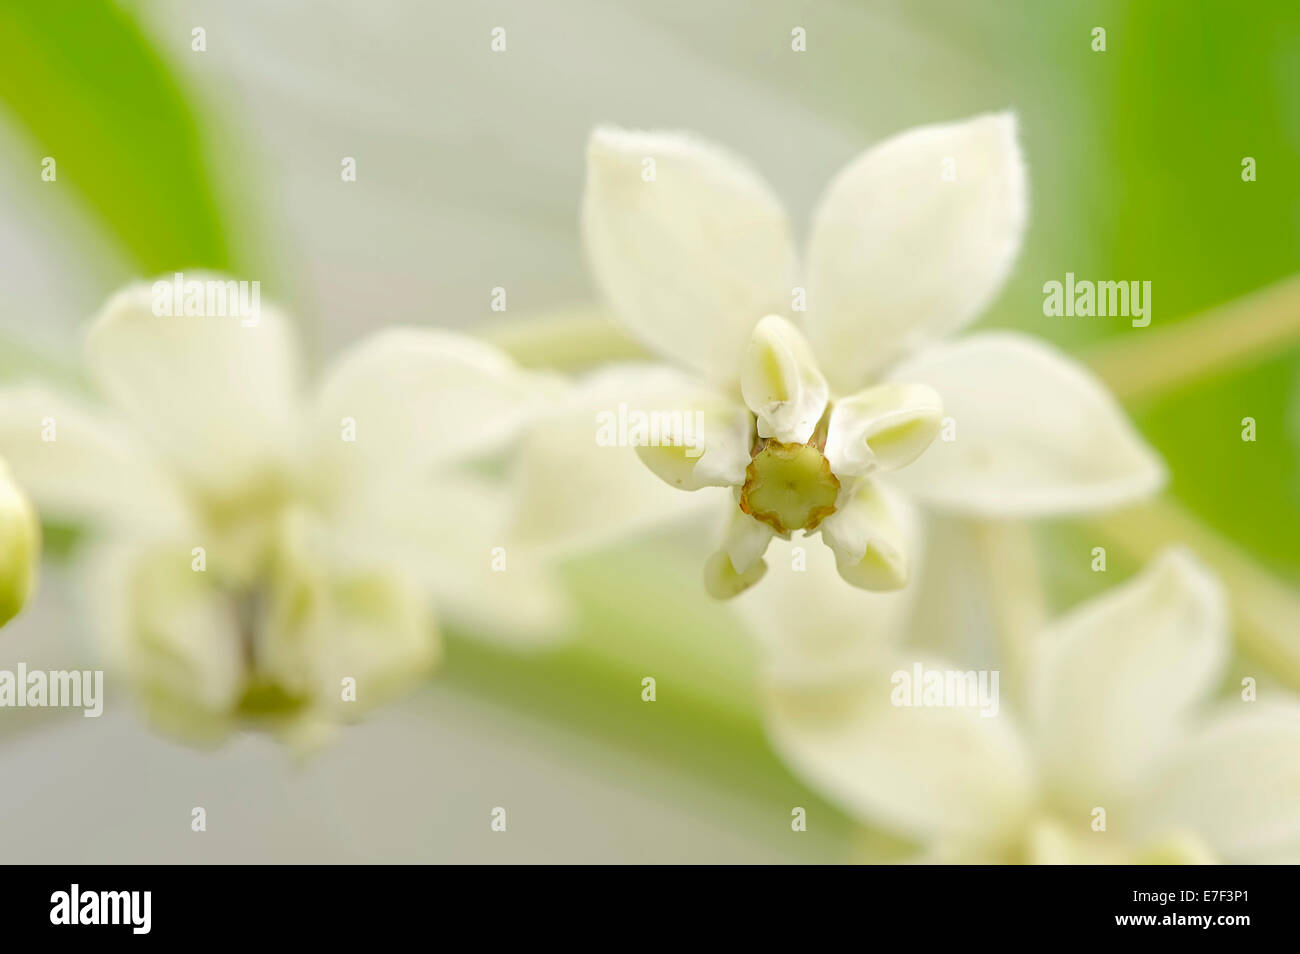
(722, 582)
(781, 383)
(1179, 568)
(881, 569)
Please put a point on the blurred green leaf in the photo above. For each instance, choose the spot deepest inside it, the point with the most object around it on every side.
(1247, 490)
(84, 84)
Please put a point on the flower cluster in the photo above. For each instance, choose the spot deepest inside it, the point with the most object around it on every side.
(271, 554)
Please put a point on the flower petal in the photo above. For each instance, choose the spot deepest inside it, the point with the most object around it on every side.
(1235, 783)
(867, 539)
(173, 633)
(781, 383)
(78, 466)
(1033, 433)
(929, 772)
(745, 540)
(810, 623)
(216, 396)
(903, 253)
(692, 259)
(451, 535)
(882, 428)
(712, 452)
(723, 581)
(422, 400)
(416, 398)
(576, 488)
(20, 545)
(322, 624)
(1113, 681)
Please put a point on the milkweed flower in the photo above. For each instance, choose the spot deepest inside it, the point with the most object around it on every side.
(1110, 751)
(20, 542)
(809, 390)
(270, 556)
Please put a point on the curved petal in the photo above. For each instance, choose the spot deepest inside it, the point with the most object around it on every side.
(723, 581)
(1236, 784)
(691, 259)
(321, 624)
(575, 486)
(173, 634)
(882, 428)
(738, 564)
(745, 540)
(931, 772)
(1113, 681)
(781, 383)
(912, 241)
(1033, 433)
(216, 396)
(78, 466)
(451, 534)
(711, 452)
(867, 539)
(404, 400)
(20, 545)
(812, 625)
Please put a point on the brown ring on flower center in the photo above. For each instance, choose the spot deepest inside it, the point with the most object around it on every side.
(789, 487)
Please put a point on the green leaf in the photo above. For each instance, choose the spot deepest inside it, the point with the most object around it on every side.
(88, 90)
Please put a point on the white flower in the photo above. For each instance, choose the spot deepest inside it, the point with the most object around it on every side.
(695, 255)
(20, 545)
(261, 548)
(1113, 732)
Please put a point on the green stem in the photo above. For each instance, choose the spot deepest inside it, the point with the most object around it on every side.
(1241, 332)
(1016, 594)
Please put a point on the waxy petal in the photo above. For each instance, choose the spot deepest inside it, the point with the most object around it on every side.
(912, 241)
(811, 625)
(745, 540)
(406, 400)
(217, 397)
(714, 452)
(175, 637)
(867, 539)
(20, 546)
(577, 481)
(723, 582)
(1032, 433)
(1235, 782)
(882, 428)
(923, 771)
(1115, 680)
(80, 466)
(781, 382)
(691, 259)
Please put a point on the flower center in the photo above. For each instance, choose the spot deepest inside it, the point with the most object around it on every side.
(789, 487)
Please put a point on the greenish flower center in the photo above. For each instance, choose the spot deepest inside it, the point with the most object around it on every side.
(789, 487)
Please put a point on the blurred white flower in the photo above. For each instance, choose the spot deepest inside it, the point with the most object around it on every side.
(272, 559)
(1112, 757)
(909, 243)
(20, 546)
